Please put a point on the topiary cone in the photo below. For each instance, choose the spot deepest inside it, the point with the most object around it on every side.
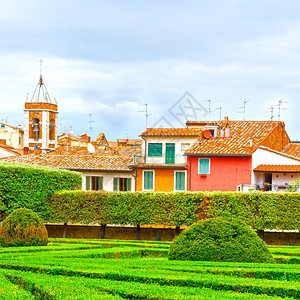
(23, 227)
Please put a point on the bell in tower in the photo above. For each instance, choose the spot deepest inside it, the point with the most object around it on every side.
(41, 116)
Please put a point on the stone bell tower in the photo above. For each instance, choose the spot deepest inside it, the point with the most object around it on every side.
(41, 116)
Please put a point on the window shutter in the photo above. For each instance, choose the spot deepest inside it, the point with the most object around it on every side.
(128, 185)
(203, 166)
(100, 183)
(87, 183)
(180, 181)
(155, 149)
(148, 180)
(116, 180)
(170, 153)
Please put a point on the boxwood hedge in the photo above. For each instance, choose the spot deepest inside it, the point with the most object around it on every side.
(29, 186)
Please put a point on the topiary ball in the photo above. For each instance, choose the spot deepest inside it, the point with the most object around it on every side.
(23, 227)
(220, 239)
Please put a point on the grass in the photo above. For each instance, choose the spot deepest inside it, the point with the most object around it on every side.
(113, 269)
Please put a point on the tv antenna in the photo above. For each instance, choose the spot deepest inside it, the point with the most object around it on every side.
(209, 108)
(90, 121)
(146, 113)
(220, 109)
(243, 109)
(271, 110)
(280, 102)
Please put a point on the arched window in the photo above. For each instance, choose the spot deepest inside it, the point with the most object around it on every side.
(52, 130)
(36, 128)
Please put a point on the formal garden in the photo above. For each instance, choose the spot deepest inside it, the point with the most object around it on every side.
(218, 256)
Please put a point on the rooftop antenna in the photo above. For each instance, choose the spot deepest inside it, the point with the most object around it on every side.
(209, 108)
(90, 121)
(271, 110)
(244, 109)
(220, 109)
(146, 113)
(280, 102)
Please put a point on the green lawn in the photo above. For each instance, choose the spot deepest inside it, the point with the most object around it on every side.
(112, 269)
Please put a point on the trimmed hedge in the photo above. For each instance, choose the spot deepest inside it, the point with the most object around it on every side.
(30, 186)
(137, 208)
(23, 227)
(220, 239)
(260, 210)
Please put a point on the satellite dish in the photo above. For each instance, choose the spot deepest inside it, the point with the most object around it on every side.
(206, 134)
(91, 148)
(71, 131)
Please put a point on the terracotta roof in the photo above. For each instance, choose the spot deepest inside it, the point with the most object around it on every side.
(293, 149)
(171, 132)
(246, 137)
(76, 162)
(278, 168)
(99, 150)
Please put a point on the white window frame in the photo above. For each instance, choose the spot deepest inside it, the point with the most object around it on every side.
(185, 182)
(208, 166)
(147, 190)
(185, 144)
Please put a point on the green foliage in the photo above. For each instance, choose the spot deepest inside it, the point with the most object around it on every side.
(220, 239)
(23, 227)
(30, 186)
(122, 208)
(260, 210)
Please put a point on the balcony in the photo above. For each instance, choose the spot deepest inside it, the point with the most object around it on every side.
(178, 159)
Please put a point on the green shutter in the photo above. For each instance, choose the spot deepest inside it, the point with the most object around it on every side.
(116, 181)
(155, 149)
(128, 185)
(203, 165)
(87, 183)
(170, 153)
(100, 183)
(148, 180)
(180, 181)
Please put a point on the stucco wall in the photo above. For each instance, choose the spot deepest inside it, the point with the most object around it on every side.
(226, 173)
(164, 179)
(108, 178)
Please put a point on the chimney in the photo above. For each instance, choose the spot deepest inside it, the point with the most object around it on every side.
(25, 150)
(222, 133)
(250, 143)
(227, 128)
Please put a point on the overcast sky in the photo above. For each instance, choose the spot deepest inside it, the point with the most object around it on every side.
(109, 58)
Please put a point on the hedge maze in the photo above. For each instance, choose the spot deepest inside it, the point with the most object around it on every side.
(111, 269)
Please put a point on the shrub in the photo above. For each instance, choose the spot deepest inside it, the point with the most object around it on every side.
(23, 227)
(220, 239)
(30, 186)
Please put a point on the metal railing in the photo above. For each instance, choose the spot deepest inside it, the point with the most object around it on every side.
(179, 159)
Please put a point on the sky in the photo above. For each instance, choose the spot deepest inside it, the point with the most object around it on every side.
(104, 60)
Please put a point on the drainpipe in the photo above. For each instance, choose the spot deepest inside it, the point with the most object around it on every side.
(145, 149)
(190, 172)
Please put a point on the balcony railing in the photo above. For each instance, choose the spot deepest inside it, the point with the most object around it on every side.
(178, 159)
(269, 187)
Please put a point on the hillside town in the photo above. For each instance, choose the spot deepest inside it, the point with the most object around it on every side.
(222, 155)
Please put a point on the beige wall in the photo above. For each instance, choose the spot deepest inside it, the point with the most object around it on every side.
(14, 136)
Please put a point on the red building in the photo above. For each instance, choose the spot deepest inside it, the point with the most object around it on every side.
(223, 159)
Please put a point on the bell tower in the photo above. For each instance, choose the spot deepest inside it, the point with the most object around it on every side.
(41, 116)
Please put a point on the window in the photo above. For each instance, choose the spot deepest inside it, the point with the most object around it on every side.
(179, 181)
(185, 146)
(94, 183)
(148, 181)
(204, 166)
(155, 149)
(122, 184)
